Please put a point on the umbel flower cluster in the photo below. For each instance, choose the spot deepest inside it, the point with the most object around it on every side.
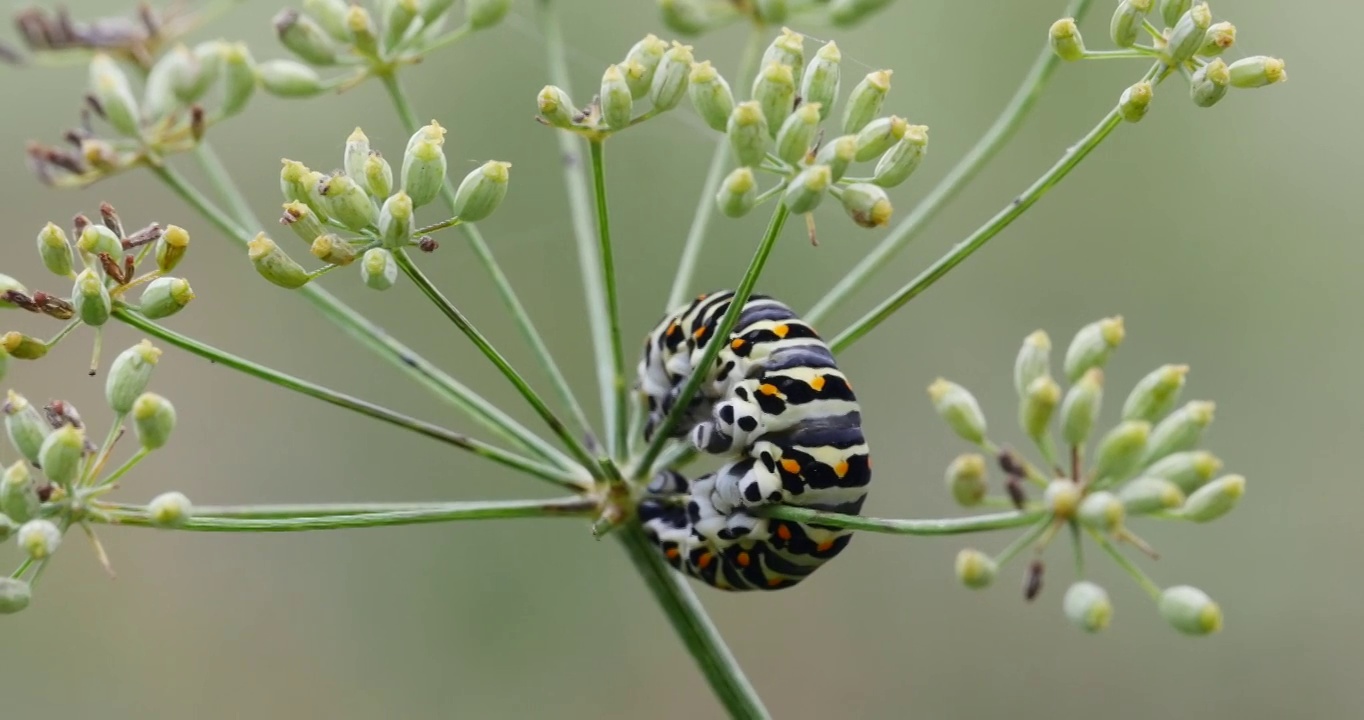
(694, 17)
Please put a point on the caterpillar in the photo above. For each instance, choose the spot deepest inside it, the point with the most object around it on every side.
(776, 406)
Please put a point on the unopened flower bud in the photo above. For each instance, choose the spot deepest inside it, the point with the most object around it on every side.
(820, 82)
(362, 30)
(332, 249)
(617, 105)
(8, 283)
(1087, 606)
(378, 268)
(1257, 71)
(1215, 499)
(1033, 361)
(239, 78)
(153, 419)
(771, 11)
(302, 220)
(481, 192)
(482, 14)
(299, 184)
(1092, 345)
(737, 193)
(844, 13)
(775, 92)
(903, 158)
(18, 493)
(670, 79)
(349, 203)
(129, 375)
(1038, 405)
(1120, 451)
(39, 538)
(1102, 511)
(867, 204)
(204, 70)
(1190, 610)
(26, 428)
(398, 17)
(685, 17)
(424, 164)
(788, 49)
(433, 10)
(966, 479)
(111, 89)
(710, 95)
(395, 220)
(798, 133)
(1135, 101)
(807, 189)
(378, 175)
(1146, 495)
(1126, 23)
(1181, 430)
(1187, 36)
(289, 79)
(975, 569)
(61, 453)
(555, 107)
(1062, 498)
(838, 154)
(171, 248)
(1066, 40)
(91, 298)
(171, 509)
(1172, 10)
(747, 131)
(864, 103)
(1155, 394)
(165, 296)
(1219, 37)
(15, 595)
(1189, 470)
(55, 250)
(878, 136)
(23, 347)
(304, 37)
(959, 408)
(274, 264)
(641, 63)
(95, 238)
(1081, 407)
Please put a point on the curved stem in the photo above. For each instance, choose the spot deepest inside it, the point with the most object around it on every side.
(999, 134)
(221, 179)
(937, 526)
(616, 425)
(1151, 587)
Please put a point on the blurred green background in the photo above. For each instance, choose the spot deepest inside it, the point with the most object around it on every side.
(1226, 237)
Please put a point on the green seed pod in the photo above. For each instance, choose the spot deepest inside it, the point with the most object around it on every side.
(1257, 71)
(959, 408)
(363, 34)
(838, 154)
(378, 175)
(975, 569)
(685, 17)
(1120, 451)
(903, 158)
(171, 509)
(1102, 511)
(1038, 405)
(18, 493)
(23, 347)
(239, 78)
(91, 299)
(304, 37)
(555, 107)
(61, 453)
(798, 133)
(378, 268)
(39, 538)
(878, 136)
(153, 419)
(1190, 610)
(300, 219)
(670, 79)
(8, 283)
(808, 189)
(1033, 361)
(865, 101)
(775, 92)
(966, 479)
(867, 205)
(334, 250)
(165, 296)
(1125, 26)
(1180, 431)
(738, 193)
(299, 184)
(747, 131)
(483, 14)
(55, 250)
(398, 17)
(788, 49)
(710, 95)
(1187, 36)
(158, 91)
(395, 220)
(129, 375)
(641, 63)
(1155, 394)
(274, 264)
(349, 203)
(1081, 407)
(424, 164)
(1146, 495)
(1219, 37)
(1087, 606)
(433, 10)
(1092, 346)
(1215, 499)
(15, 595)
(1135, 101)
(844, 13)
(96, 239)
(202, 72)
(110, 87)
(331, 16)
(820, 82)
(1062, 498)
(26, 428)
(1189, 470)
(617, 105)
(1066, 41)
(481, 192)
(1172, 10)
(289, 79)
(771, 12)
(171, 247)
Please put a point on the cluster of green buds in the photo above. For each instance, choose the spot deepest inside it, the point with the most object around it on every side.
(62, 473)
(364, 213)
(694, 17)
(1190, 43)
(102, 263)
(1090, 482)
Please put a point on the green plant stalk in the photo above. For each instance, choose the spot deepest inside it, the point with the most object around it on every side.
(1012, 550)
(222, 181)
(615, 431)
(332, 397)
(936, 526)
(1150, 586)
(994, 139)
(379, 341)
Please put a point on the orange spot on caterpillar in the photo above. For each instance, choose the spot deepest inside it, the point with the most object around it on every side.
(768, 389)
(737, 343)
(672, 553)
(790, 466)
(783, 532)
(672, 328)
(817, 383)
(826, 546)
(781, 331)
(743, 559)
(841, 468)
(704, 561)
(699, 332)
(776, 581)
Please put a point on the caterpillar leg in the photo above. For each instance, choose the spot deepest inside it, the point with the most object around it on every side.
(733, 425)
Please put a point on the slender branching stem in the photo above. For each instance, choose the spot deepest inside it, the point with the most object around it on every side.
(615, 431)
(1151, 587)
(222, 181)
(936, 526)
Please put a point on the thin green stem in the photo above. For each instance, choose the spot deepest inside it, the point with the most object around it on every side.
(61, 334)
(999, 134)
(327, 395)
(123, 469)
(1146, 583)
(615, 430)
(935, 526)
(222, 181)
(437, 227)
(1124, 54)
(449, 38)
(1022, 541)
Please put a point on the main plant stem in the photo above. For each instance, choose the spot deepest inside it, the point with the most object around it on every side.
(615, 431)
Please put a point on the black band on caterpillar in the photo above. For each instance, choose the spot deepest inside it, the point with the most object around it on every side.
(776, 405)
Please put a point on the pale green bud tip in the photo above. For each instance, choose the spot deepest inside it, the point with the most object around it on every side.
(1188, 34)
(1135, 101)
(55, 250)
(1033, 361)
(966, 479)
(1189, 470)
(959, 408)
(169, 509)
(331, 249)
(1087, 605)
(1102, 511)
(1190, 610)
(1039, 402)
(8, 283)
(975, 569)
(129, 374)
(829, 52)
(91, 298)
(481, 192)
(1065, 39)
(287, 78)
(1156, 393)
(1172, 10)
(1258, 71)
(555, 106)
(61, 453)
(738, 193)
(378, 269)
(868, 205)
(1215, 499)
(1062, 498)
(864, 103)
(154, 419)
(1121, 449)
(15, 595)
(483, 14)
(39, 538)
(808, 188)
(1209, 83)
(165, 296)
(1219, 37)
(1150, 494)
(175, 236)
(617, 104)
(23, 347)
(1092, 345)
(96, 239)
(274, 264)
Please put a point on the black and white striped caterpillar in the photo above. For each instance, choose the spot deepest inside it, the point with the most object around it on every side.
(774, 403)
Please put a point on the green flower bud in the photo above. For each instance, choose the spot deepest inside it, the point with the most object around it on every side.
(820, 82)
(878, 135)
(771, 11)
(975, 569)
(850, 12)
(302, 36)
(110, 87)
(1146, 495)
(617, 105)
(747, 131)
(1092, 345)
(1135, 101)
(378, 175)
(1181, 430)
(18, 493)
(798, 133)
(1125, 26)
(966, 479)
(299, 184)
(153, 419)
(23, 347)
(1219, 37)
(555, 107)
(838, 154)
(867, 204)
(239, 78)
(204, 68)
(395, 220)
(1257, 71)
(348, 202)
(710, 95)
(808, 189)
(1038, 405)
(362, 31)
(788, 49)
(171, 248)
(482, 14)
(1062, 498)
(129, 374)
(1190, 611)
(1120, 451)
(289, 79)
(481, 192)
(424, 164)
(7, 527)
(165, 296)
(775, 92)
(91, 299)
(171, 509)
(378, 268)
(1081, 407)
(959, 408)
(158, 91)
(61, 453)
(8, 283)
(1187, 36)
(332, 249)
(738, 193)
(331, 16)
(302, 220)
(1087, 605)
(274, 264)
(26, 428)
(55, 250)
(1033, 361)
(1172, 10)
(902, 159)
(1155, 394)
(1215, 499)
(15, 595)
(432, 10)
(1189, 470)
(39, 538)
(96, 239)
(670, 79)
(1102, 511)
(641, 63)
(398, 17)
(685, 17)
(1066, 40)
